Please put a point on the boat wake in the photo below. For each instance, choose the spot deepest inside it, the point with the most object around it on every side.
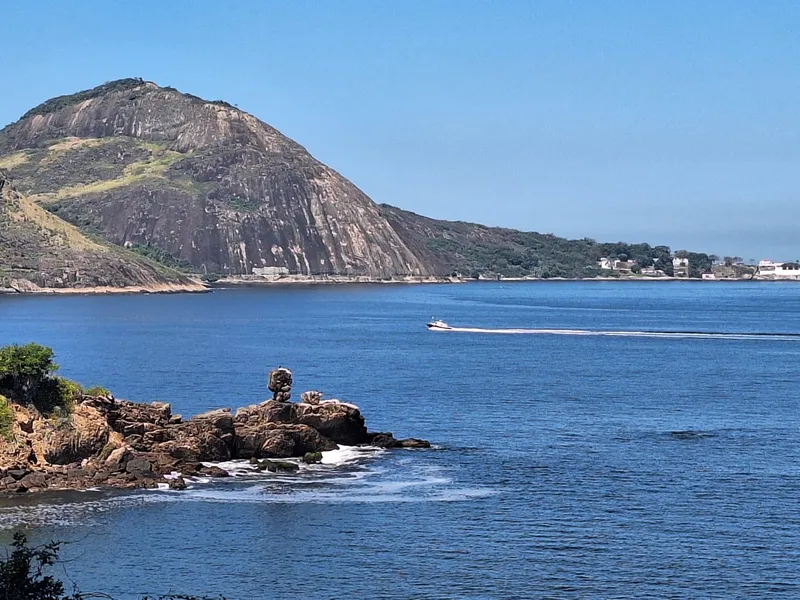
(707, 335)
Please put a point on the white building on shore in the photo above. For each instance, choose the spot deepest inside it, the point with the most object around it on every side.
(778, 270)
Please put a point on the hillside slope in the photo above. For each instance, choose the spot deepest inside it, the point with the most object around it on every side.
(206, 188)
(39, 250)
(207, 184)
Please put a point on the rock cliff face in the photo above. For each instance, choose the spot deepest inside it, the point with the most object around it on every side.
(208, 186)
(39, 250)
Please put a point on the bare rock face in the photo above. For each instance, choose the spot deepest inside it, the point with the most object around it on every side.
(274, 440)
(39, 250)
(206, 184)
(342, 423)
(82, 436)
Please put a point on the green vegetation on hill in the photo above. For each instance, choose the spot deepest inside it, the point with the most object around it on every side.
(227, 193)
(472, 250)
(162, 257)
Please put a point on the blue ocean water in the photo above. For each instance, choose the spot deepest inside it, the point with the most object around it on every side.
(563, 467)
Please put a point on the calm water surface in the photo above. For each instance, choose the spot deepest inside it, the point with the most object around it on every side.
(564, 467)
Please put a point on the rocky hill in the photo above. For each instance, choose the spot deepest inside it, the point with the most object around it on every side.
(206, 188)
(39, 250)
(209, 186)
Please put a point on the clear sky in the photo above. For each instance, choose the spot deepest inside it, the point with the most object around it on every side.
(673, 122)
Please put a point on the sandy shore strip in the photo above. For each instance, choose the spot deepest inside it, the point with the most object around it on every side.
(164, 288)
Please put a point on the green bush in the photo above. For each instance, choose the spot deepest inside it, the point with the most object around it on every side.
(6, 419)
(69, 392)
(97, 390)
(23, 369)
(57, 396)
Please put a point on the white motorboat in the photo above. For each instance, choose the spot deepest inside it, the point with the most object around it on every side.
(438, 325)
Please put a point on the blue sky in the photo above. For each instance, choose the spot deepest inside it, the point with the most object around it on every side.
(667, 122)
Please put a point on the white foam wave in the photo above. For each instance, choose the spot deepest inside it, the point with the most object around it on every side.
(623, 333)
(349, 454)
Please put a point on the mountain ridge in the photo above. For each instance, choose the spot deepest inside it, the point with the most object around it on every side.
(214, 189)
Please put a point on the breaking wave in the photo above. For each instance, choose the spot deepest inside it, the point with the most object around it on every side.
(350, 474)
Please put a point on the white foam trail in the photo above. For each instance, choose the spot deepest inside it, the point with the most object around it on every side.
(348, 454)
(623, 333)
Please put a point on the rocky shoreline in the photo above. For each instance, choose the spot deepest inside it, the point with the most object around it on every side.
(166, 288)
(105, 442)
(205, 287)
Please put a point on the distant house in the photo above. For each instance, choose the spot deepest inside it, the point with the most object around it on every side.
(651, 271)
(605, 264)
(624, 266)
(776, 270)
(270, 272)
(680, 267)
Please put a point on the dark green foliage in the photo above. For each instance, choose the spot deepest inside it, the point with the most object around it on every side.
(699, 263)
(26, 376)
(473, 250)
(23, 575)
(6, 418)
(162, 257)
(312, 457)
(23, 369)
(60, 102)
(240, 204)
(97, 390)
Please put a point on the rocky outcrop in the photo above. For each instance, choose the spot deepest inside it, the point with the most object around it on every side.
(280, 384)
(105, 441)
(203, 183)
(40, 251)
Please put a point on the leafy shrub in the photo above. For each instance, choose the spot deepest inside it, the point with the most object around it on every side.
(56, 396)
(23, 369)
(97, 390)
(6, 418)
(162, 257)
(68, 392)
(21, 574)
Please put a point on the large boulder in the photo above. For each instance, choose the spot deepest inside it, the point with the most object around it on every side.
(340, 422)
(276, 440)
(280, 384)
(205, 437)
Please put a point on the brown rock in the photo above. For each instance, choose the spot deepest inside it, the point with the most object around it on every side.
(178, 483)
(33, 481)
(18, 474)
(117, 459)
(311, 397)
(212, 471)
(139, 465)
(276, 440)
(280, 383)
(83, 435)
(340, 422)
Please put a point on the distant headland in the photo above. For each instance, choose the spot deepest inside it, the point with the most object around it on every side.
(135, 187)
